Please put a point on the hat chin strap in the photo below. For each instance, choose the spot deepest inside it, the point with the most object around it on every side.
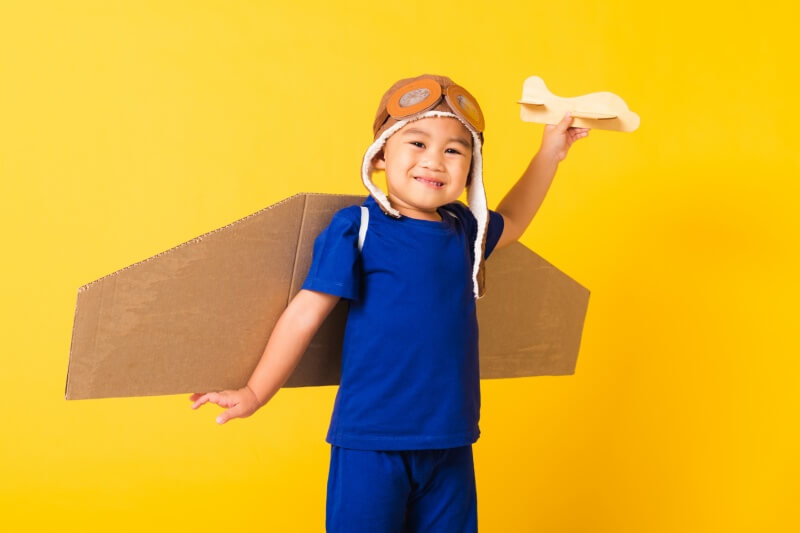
(476, 194)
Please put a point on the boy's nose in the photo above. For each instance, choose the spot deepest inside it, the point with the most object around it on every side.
(431, 163)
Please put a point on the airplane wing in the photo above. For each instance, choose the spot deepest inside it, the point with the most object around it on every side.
(196, 317)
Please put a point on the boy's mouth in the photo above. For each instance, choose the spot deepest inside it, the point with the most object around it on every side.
(431, 183)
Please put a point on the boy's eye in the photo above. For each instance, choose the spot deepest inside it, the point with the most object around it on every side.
(420, 145)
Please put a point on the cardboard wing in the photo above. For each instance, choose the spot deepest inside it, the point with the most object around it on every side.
(196, 317)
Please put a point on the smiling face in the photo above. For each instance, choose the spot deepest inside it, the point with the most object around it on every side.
(427, 162)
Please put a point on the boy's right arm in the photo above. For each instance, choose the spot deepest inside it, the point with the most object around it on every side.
(288, 342)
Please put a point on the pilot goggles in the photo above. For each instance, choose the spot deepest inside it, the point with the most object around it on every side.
(422, 95)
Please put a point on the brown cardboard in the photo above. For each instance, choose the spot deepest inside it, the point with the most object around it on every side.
(196, 317)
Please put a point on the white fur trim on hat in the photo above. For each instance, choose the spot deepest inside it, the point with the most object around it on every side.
(476, 194)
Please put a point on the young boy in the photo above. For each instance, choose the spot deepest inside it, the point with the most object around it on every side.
(407, 408)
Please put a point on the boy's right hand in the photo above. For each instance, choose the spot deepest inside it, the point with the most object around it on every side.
(241, 402)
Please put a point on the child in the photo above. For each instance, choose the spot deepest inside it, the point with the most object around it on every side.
(407, 408)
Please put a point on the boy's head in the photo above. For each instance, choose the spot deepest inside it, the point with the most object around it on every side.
(427, 164)
(430, 127)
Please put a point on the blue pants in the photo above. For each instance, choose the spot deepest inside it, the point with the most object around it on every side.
(401, 491)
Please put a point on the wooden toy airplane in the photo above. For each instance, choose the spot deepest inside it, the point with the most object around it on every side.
(601, 110)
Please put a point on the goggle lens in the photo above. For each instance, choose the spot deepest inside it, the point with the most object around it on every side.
(465, 105)
(412, 98)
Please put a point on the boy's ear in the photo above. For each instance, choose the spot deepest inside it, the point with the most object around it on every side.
(378, 160)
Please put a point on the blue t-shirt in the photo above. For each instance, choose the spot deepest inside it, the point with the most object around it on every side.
(410, 374)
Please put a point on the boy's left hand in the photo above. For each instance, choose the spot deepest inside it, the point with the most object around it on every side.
(558, 138)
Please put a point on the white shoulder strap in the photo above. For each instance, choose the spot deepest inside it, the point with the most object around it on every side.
(450, 213)
(362, 231)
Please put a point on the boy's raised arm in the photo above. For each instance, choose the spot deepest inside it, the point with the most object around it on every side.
(522, 202)
(288, 342)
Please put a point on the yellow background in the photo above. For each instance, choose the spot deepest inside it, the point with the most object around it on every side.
(130, 127)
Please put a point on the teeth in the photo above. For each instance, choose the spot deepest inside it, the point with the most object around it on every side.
(437, 184)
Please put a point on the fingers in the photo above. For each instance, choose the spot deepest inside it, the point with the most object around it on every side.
(578, 133)
(223, 399)
(200, 399)
(565, 121)
(564, 125)
(233, 412)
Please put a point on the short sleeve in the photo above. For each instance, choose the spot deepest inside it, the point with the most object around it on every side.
(335, 264)
(494, 231)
